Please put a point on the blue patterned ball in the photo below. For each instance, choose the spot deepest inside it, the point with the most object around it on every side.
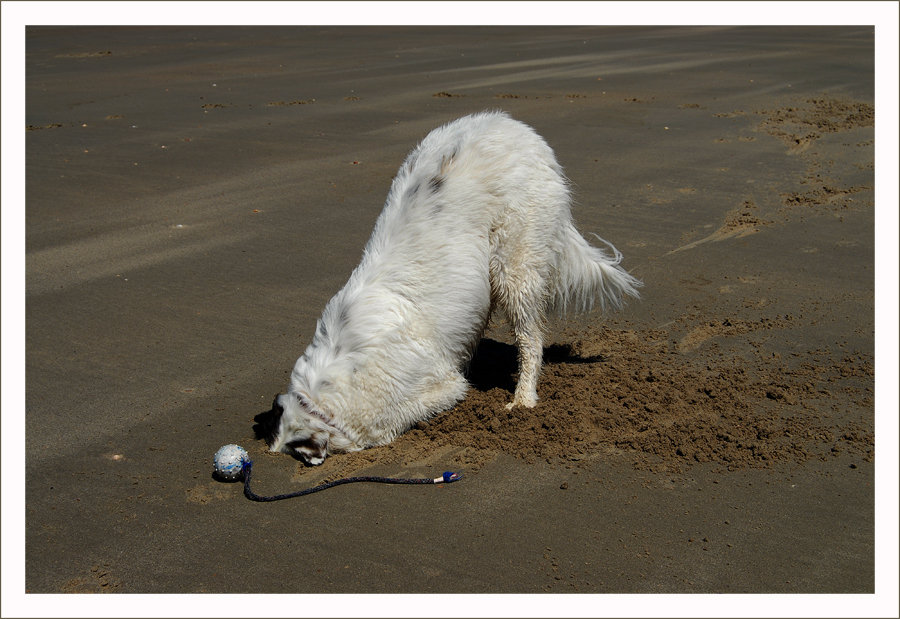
(228, 463)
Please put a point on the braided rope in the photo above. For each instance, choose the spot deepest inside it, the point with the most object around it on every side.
(247, 467)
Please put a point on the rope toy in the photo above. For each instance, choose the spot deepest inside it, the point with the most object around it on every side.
(232, 462)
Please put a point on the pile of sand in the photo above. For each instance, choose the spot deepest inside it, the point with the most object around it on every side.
(810, 118)
(635, 395)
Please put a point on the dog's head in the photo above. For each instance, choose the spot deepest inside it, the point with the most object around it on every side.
(291, 428)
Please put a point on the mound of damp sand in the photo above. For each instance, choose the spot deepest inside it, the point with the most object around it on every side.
(635, 395)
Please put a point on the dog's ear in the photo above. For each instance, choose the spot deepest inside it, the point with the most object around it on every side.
(267, 423)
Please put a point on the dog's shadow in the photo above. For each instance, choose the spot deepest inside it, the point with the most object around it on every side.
(496, 364)
(267, 422)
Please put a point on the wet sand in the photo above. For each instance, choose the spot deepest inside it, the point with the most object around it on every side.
(196, 195)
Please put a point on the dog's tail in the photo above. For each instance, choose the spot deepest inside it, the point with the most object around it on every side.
(586, 275)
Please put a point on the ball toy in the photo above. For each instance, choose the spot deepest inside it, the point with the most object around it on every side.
(228, 463)
(232, 463)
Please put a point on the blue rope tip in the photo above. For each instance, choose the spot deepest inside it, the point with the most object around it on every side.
(451, 476)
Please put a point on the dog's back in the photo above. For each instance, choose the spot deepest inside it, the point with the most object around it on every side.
(477, 218)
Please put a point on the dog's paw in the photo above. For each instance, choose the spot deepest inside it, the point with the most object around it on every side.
(526, 402)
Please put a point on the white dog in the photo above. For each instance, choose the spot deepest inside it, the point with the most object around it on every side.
(477, 219)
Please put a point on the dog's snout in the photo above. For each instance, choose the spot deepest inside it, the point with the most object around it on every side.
(310, 451)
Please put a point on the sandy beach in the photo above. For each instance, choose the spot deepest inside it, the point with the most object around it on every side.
(196, 195)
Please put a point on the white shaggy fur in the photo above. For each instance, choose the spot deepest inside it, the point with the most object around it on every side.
(477, 219)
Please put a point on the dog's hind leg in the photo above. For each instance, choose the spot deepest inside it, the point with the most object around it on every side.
(529, 339)
(521, 293)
